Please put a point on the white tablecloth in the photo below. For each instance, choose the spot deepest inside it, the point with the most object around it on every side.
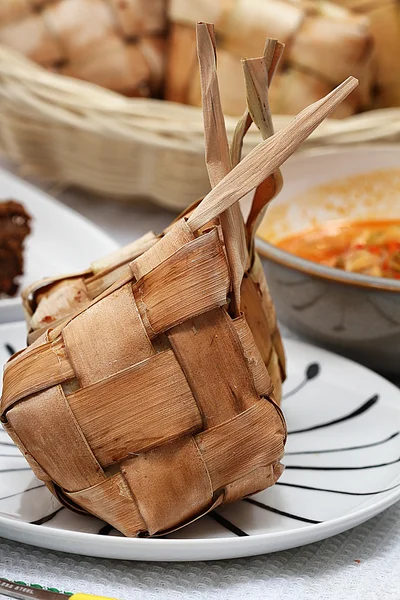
(324, 570)
(362, 564)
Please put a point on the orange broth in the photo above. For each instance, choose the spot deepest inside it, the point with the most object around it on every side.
(367, 247)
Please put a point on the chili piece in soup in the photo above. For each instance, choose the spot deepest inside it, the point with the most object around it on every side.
(370, 248)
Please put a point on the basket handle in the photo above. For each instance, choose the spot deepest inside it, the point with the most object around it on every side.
(258, 78)
(267, 157)
(258, 73)
(218, 160)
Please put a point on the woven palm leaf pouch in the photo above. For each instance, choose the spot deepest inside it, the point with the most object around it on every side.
(149, 393)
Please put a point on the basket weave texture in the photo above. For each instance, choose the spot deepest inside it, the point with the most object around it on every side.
(70, 132)
(73, 133)
(152, 405)
(156, 399)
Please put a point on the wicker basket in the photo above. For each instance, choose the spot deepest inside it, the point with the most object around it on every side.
(118, 44)
(152, 403)
(324, 45)
(74, 133)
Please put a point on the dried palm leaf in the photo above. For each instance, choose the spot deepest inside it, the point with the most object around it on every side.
(152, 402)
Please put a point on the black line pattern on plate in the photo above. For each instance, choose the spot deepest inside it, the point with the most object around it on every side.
(281, 512)
(47, 518)
(343, 492)
(362, 446)
(311, 468)
(11, 456)
(359, 411)
(22, 493)
(15, 470)
(311, 372)
(10, 349)
(106, 529)
(227, 524)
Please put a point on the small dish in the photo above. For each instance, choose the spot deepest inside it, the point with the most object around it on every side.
(356, 315)
(61, 240)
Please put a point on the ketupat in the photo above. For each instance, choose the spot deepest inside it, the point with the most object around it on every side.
(118, 45)
(121, 45)
(325, 43)
(384, 24)
(152, 404)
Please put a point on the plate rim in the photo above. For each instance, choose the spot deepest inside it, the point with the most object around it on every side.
(90, 544)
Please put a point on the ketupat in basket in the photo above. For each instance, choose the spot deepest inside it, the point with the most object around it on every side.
(152, 405)
(66, 131)
(324, 44)
(118, 44)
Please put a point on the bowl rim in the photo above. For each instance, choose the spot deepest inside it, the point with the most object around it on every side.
(291, 261)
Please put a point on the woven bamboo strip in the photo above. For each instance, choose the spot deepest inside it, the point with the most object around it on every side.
(280, 351)
(201, 287)
(257, 72)
(112, 501)
(260, 316)
(174, 239)
(218, 160)
(274, 367)
(251, 353)
(163, 409)
(175, 472)
(56, 434)
(48, 302)
(256, 318)
(221, 446)
(211, 357)
(257, 480)
(34, 465)
(44, 365)
(116, 316)
(259, 284)
(31, 292)
(272, 54)
(122, 256)
(68, 296)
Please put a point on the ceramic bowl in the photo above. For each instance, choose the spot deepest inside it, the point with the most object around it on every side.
(355, 315)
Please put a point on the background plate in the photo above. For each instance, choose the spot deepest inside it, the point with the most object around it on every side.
(61, 240)
(342, 468)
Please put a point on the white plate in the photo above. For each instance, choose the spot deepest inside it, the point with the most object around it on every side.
(342, 468)
(61, 241)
